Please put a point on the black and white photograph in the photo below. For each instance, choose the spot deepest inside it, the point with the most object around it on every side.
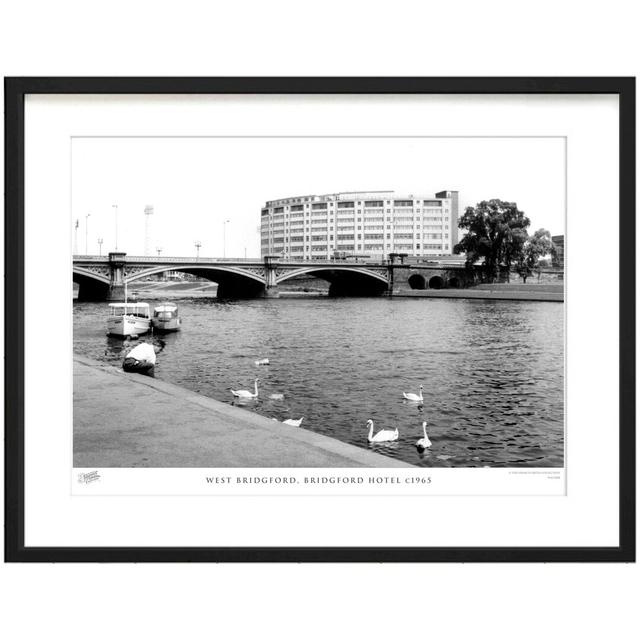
(318, 301)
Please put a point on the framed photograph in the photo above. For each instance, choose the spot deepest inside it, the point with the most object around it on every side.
(320, 319)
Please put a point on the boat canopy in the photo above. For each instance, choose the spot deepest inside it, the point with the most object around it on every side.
(130, 305)
(129, 308)
(144, 352)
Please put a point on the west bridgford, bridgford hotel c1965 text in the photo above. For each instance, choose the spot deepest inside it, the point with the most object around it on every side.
(371, 223)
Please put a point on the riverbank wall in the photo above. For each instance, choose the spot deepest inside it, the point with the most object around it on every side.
(129, 420)
(505, 291)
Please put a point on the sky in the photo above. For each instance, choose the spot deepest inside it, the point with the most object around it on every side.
(196, 184)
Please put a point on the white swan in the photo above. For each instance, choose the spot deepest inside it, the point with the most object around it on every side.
(384, 435)
(294, 423)
(424, 443)
(243, 393)
(262, 361)
(413, 397)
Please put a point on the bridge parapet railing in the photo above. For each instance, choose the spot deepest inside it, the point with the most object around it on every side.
(165, 259)
(173, 259)
(168, 260)
(178, 259)
(204, 260)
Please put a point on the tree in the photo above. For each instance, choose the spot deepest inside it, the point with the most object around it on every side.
(536, 246)
(496, 233)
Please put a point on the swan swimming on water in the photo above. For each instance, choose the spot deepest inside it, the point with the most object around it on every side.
(414, 397)
(243, 393)
(384, 435)
(424, 443)
(293, 423)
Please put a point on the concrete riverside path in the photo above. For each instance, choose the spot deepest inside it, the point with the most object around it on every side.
(129, 420)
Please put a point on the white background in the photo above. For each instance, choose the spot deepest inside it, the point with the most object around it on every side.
(490, 38)
(587, 516)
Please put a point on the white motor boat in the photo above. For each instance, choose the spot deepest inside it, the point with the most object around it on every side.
(165, 318)
(128, 319)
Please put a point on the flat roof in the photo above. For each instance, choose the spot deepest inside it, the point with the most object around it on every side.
(347, 195)
(129, 304)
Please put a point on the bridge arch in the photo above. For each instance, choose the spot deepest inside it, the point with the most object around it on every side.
(417, 281)
(92, 285)
(233, 282)
(343, 280)
(436, 282)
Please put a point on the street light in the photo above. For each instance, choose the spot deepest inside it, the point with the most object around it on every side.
(75, 239)
(224, 238)
(198, 244)
(86, 234)
(115, 206)
(100, 241)
(159, 250)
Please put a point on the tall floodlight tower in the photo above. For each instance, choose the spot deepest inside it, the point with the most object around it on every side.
(148, 211)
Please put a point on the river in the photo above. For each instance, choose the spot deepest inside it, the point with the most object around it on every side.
(493, 371)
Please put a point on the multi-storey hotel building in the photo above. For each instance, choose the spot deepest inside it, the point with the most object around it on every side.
(361, 223)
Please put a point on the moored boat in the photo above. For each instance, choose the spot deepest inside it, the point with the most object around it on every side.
(128, 319)
(165, 318)
(141, 359)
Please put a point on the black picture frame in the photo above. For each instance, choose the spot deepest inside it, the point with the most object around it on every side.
(15, 91)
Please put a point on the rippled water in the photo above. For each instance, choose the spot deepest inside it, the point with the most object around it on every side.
(492, 371)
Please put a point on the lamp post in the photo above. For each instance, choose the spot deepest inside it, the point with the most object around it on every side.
(224, 239)
(115, 207)
(86, 234)
(100, 241)
(148, 211)
(198, 244)
(75, 239)
(159, 250)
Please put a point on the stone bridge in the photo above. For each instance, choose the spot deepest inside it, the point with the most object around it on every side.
(104, 278)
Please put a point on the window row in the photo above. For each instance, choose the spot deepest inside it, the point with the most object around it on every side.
(350, 204)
